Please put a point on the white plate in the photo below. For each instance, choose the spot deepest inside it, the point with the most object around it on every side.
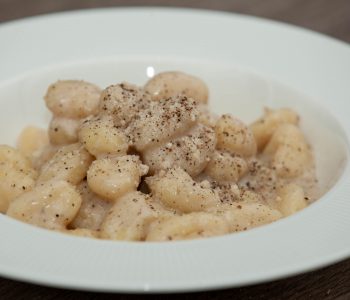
(241, 58)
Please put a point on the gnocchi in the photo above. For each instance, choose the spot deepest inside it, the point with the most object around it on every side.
(152, 163)
(291, 199)
(264, 128)
(51, 205)
(63, 131)
(169, 84)
(100, 137)
(189, 226)
(32, 141)
(179, 191)
(234, 136)
(16, 175)
(69, 163)
(130, 217)
(225, 167)
(70, 101)
(290, 152)
(72, 98)
(93, 209)
(112, 177)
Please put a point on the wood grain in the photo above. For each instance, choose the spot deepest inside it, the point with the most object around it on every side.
(325, 16)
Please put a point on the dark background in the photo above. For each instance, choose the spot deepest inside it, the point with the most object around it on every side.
(330, 17)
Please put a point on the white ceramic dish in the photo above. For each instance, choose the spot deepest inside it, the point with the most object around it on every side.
(240, 58)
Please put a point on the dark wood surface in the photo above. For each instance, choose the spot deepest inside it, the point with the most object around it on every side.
(331, 17)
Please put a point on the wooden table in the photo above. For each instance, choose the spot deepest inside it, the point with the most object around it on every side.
(326, 16)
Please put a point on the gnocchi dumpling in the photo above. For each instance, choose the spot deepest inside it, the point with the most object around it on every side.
(70, 101)
(169, 84)
(32, 141)
(189, 226)
(264, 128)
(51, 205)
(43, 156)
(225, 167)
(113, 177)
(234, 136)
(177, 190)
(122, 102)
(101, 137)
(13, 183)
(15, 159)
(262, 179)
(290, 199)
(168, 135)
(248, 214)
(190, 152)
(16, 175)
(93, 209)
(290, 152)
(130, 217)
(70, 163)
(63, 131)
(162, 121)
(74, 99)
